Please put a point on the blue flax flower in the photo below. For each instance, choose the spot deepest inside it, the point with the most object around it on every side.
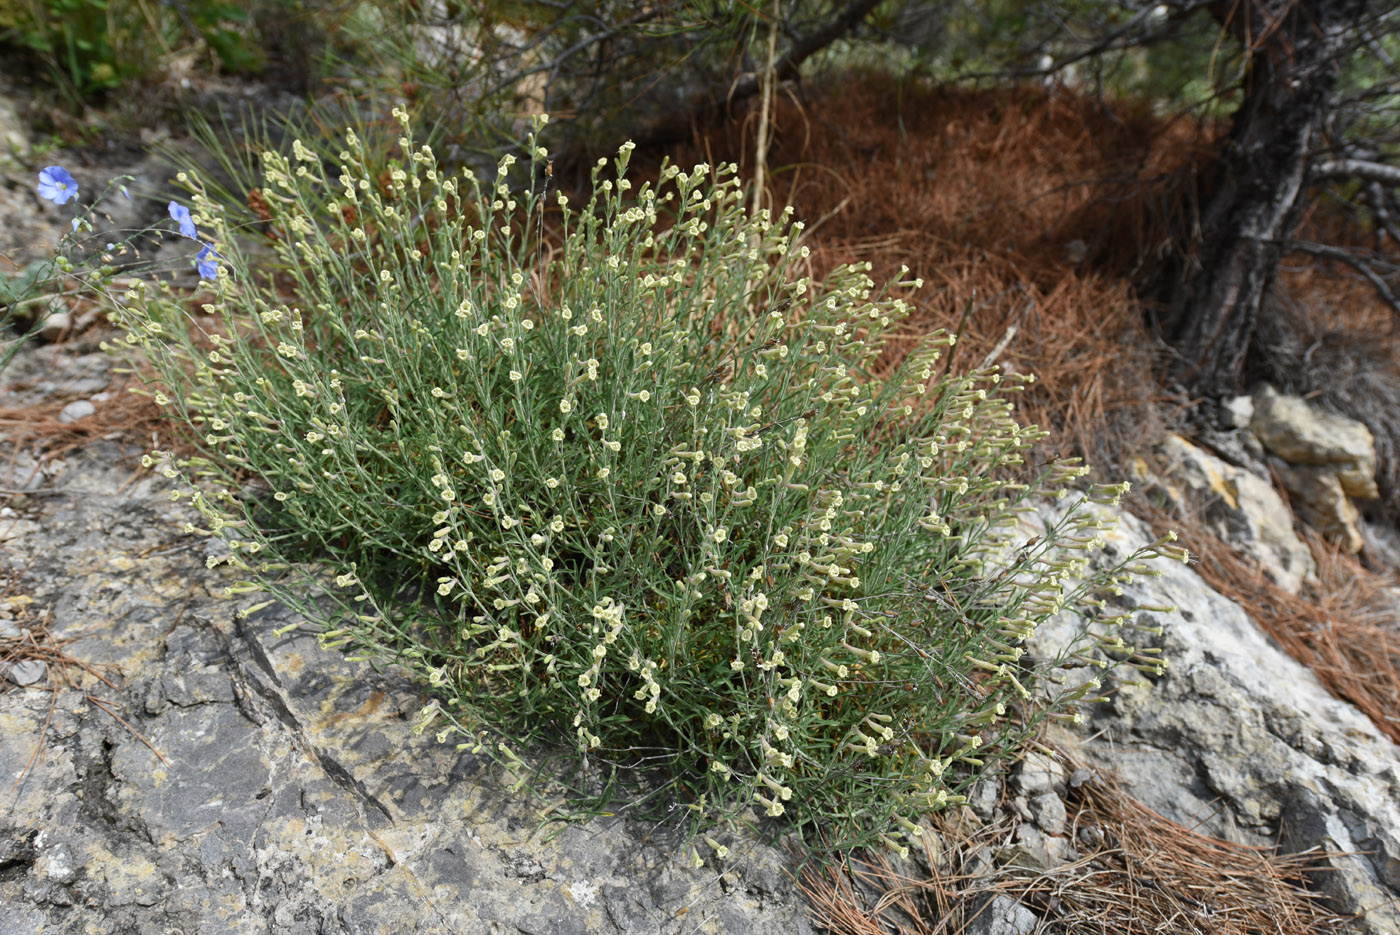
(181, 215)
(57, 185)
(208, 263)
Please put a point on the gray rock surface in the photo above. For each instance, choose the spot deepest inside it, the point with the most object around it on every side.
(1003, 916)
(78, 409)
(1048, 812)
(259, 784)
(1037, 774)
(26, 671)
(1238, 507)
(1240, 741)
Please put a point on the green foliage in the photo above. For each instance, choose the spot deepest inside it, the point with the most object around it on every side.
(26, 295)
(82, 40)
(18, 286)
(92, 46)
(635, 486)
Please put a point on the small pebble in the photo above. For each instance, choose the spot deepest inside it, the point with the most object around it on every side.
(56, 326)
(9, 630)
(27, 671)
(74, 411)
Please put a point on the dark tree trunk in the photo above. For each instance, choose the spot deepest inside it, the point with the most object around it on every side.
(1252, 202)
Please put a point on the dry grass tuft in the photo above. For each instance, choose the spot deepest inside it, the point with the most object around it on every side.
(1138, 873)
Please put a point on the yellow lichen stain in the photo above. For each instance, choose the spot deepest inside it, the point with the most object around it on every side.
(1224, 487)
(127, 875)
(293, 827)
(372, 704)
(121, 562)
(293, 664)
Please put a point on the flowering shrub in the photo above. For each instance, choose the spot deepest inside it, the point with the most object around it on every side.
(634, 485)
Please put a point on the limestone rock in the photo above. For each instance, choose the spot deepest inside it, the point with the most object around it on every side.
(76, 410)
(1320, 500)
(1038, 773)
(983, 800)
(1237, 411)
(1240, 508)
(1036, 850)
(1003, 916)
(282, 789)
(1299, 433)
(1240, 741)
(56, 326)
(1049, 813)
(26, 671)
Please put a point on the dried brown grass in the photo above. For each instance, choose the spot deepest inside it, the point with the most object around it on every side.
(1138, 873)
(987, 195)
(37, 430)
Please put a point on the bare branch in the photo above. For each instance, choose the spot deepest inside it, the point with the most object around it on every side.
(1362, 264)
(806, 47)
(1385, 223)
(1363, 169)
(786, 68)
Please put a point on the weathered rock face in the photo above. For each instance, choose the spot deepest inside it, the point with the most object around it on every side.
(1239, 507)
(1321, 501)
(260, 784)
(1325, 460)
(1301, 434)
(1243, 742)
